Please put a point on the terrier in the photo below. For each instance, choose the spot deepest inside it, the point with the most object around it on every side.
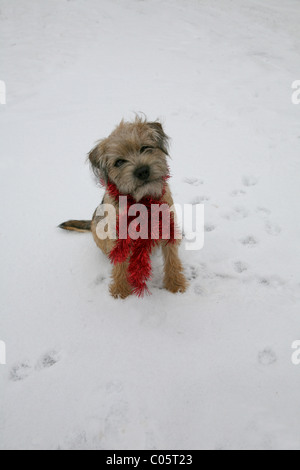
(132, 162)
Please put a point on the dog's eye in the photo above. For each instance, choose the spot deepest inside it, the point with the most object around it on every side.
(119, 163)
(146, 148)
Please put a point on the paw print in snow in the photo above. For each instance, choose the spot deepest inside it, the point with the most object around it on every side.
(249, 180)
(267, 357)
(20, 371)
(48, 360)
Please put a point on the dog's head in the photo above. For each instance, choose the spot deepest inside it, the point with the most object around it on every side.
(134, 158)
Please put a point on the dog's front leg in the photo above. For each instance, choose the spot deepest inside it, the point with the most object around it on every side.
(174, 280)
(120, 287)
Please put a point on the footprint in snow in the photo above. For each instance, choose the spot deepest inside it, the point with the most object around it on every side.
(193, 181)
(272, 281)
(200, 200)
(157, 283)
(48, 360)
(74, 441)
(20, 371)
(115, 386)
(272, 229)
(116, 418)
(238, 213)
(23, 370)
(191, 272)
(250, 241)
(240, 267)
(199, 290)
(267, 357)
(237, 193)
(249, 180)
(224, 276)
(263, 211)
(209, 227)
(99, 280)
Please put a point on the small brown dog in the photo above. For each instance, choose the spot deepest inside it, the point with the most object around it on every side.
(134, 159)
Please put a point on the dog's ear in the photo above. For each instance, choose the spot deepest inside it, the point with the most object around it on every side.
(160, 136)
(98, 161)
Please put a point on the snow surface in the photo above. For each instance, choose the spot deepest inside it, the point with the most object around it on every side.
(207, 370)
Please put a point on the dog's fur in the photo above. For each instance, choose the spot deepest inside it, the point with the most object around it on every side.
(133, 145)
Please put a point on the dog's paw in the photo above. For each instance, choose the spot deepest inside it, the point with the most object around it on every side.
(176, 284)
(119, 291)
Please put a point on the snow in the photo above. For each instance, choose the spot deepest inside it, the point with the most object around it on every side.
(210, 369)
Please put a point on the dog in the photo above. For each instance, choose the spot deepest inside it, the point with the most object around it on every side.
(133, 159)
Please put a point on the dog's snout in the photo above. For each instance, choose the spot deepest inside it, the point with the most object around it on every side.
(142, 173)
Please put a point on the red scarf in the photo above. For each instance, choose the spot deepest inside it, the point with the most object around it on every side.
(139, 251)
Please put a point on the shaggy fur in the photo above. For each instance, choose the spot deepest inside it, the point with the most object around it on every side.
(134, 158)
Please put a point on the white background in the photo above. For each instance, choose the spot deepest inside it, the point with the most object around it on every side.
(209, 369)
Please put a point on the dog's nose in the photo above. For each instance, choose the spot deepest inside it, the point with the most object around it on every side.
(142, 173)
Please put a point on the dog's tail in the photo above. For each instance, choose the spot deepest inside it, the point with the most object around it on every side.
(77, 225)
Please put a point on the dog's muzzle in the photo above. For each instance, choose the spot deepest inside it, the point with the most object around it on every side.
(142, 173)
